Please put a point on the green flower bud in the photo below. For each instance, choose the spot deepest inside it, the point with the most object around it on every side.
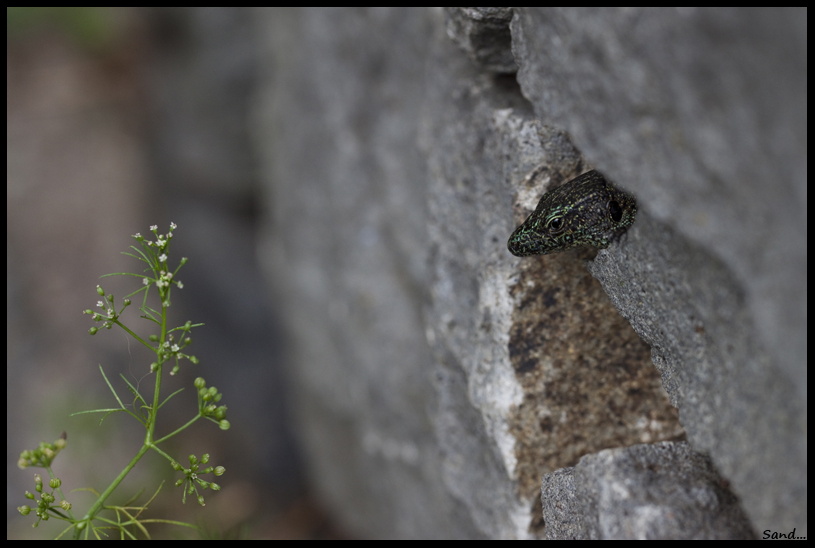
(24, 510)
(193, 459)
(65, 505)
(200, 383)
(55, 482)
(29, 496)
(224, 425)
(92, 330)
(214, 486)
(205, 458)
(220, 470)
(220, 413)
(37, 483)
(100, 290)
(201, 500)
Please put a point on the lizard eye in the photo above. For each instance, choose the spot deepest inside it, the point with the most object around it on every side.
(615, 211)
(556, 224)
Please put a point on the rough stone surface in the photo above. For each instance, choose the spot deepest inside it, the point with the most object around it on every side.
(436, 377)
(347, 259)
(659, 491)
(733, 401)
(484, 34)
(684, 109)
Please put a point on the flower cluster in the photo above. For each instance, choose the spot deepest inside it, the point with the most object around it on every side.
(168, 344)
(191, 477)
(43, 455)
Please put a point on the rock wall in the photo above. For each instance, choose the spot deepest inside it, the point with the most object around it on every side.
(436, 378)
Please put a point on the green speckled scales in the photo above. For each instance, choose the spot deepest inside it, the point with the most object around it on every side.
(588, 210)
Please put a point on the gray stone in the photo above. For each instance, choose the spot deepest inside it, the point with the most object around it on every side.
(436, 377)
(484, 34)
(659, 491)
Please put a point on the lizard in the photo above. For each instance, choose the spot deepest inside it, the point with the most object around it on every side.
(588, 210)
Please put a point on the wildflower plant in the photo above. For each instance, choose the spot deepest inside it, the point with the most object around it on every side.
(169, 346)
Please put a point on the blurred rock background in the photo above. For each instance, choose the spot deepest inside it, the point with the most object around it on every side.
(119, 119)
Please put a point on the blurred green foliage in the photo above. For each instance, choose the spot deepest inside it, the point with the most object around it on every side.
(91, 28)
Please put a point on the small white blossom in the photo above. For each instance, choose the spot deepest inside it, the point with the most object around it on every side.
(174, 348)
(180, 285)
(145, 281)
(137, 235)
(173, 225)
(100, 304)
(154, 227)
(162, 257)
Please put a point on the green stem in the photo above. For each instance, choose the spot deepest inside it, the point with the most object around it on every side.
(151, 427)
(94, 509)
(123, 326)
(170, 435)
(59, 489)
